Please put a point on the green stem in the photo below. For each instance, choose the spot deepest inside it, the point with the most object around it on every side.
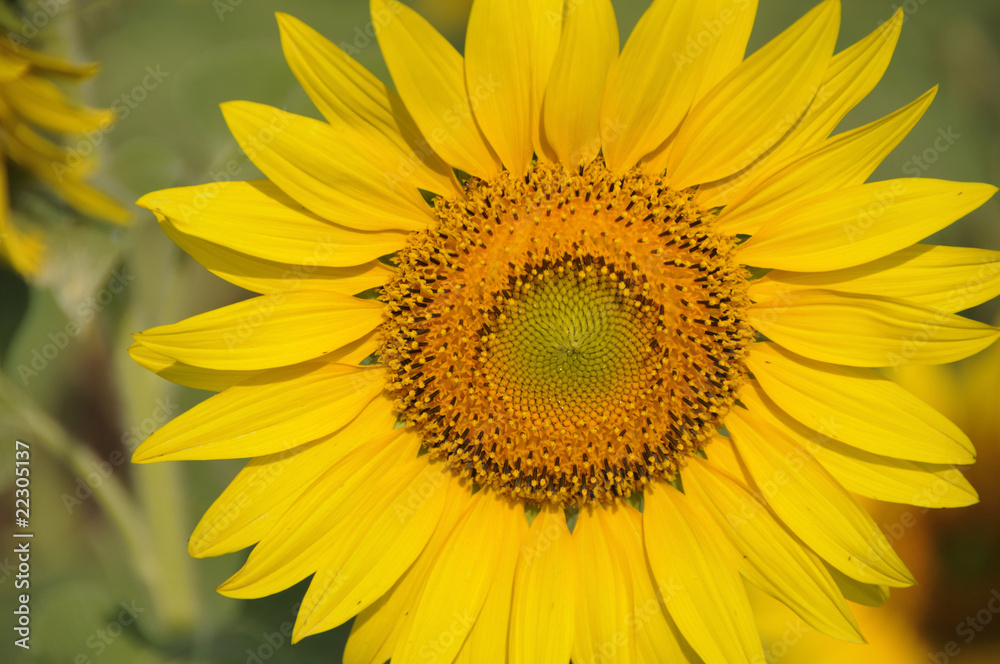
(113, 498)
(160, 495)
(159, 488)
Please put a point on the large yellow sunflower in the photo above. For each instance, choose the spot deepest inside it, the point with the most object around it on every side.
(574, 421)
(29, 99)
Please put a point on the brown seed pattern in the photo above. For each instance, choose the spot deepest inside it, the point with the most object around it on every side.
(567, 337)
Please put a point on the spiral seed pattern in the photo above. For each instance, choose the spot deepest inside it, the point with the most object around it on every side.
(567, 337)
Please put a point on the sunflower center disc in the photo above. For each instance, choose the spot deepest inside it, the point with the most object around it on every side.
(566, 337)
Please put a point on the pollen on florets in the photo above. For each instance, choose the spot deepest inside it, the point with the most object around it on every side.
(568, 336)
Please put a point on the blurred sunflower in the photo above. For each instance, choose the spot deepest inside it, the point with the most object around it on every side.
(28, 100)
(559, 430)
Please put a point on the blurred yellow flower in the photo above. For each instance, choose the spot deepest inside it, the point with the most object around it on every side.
(610, 420)
(30, 101)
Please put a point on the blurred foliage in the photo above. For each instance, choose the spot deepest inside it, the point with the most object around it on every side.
(167, 64)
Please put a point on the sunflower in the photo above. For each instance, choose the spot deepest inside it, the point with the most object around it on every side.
(29, 99)
(557, 346)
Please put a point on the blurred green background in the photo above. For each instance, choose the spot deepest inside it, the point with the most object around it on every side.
(85, 409)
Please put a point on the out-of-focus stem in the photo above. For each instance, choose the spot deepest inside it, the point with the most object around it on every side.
(159, 488)
(113, 498)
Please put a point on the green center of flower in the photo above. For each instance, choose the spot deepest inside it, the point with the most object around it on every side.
(570, 331)
(566, 337)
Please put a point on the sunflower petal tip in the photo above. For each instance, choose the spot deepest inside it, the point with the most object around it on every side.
(88, 69)
(288, 23)
(235, 107)
(232, 586)
(143, 455)
(196, 549)
(149, 201)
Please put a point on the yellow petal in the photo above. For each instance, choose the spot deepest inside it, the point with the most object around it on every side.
(52, 163)
(277, 410)
(376, 631)
(867, 331)
(724, 458)
(741, 118)
(263, 276)
(717, 44)
(23, 251)
(430, 77)
(268, 331)
(53, 65)
(850, 76)
(694, 566)
(498, 76)
(572, 111)
(347, 93)
(857, 406)
(949, 278)
(268, 485)
(11, 67)
(36, 98)
(483, 542)
(326, 169)
(808, 499)
(89, 200)
(842, 161)
(947, 388)
(214, 380)
(895, 480)
(604, 602)
(324, 515)
(772, 559)
(650, 87)
(547, 22)
(859, 224)
(867, 594)
(373, 548)
(185, 374)
(726, 32)
(545, 587)
(258, 219)
(40, 149)
(655, 635)
(488, 641)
